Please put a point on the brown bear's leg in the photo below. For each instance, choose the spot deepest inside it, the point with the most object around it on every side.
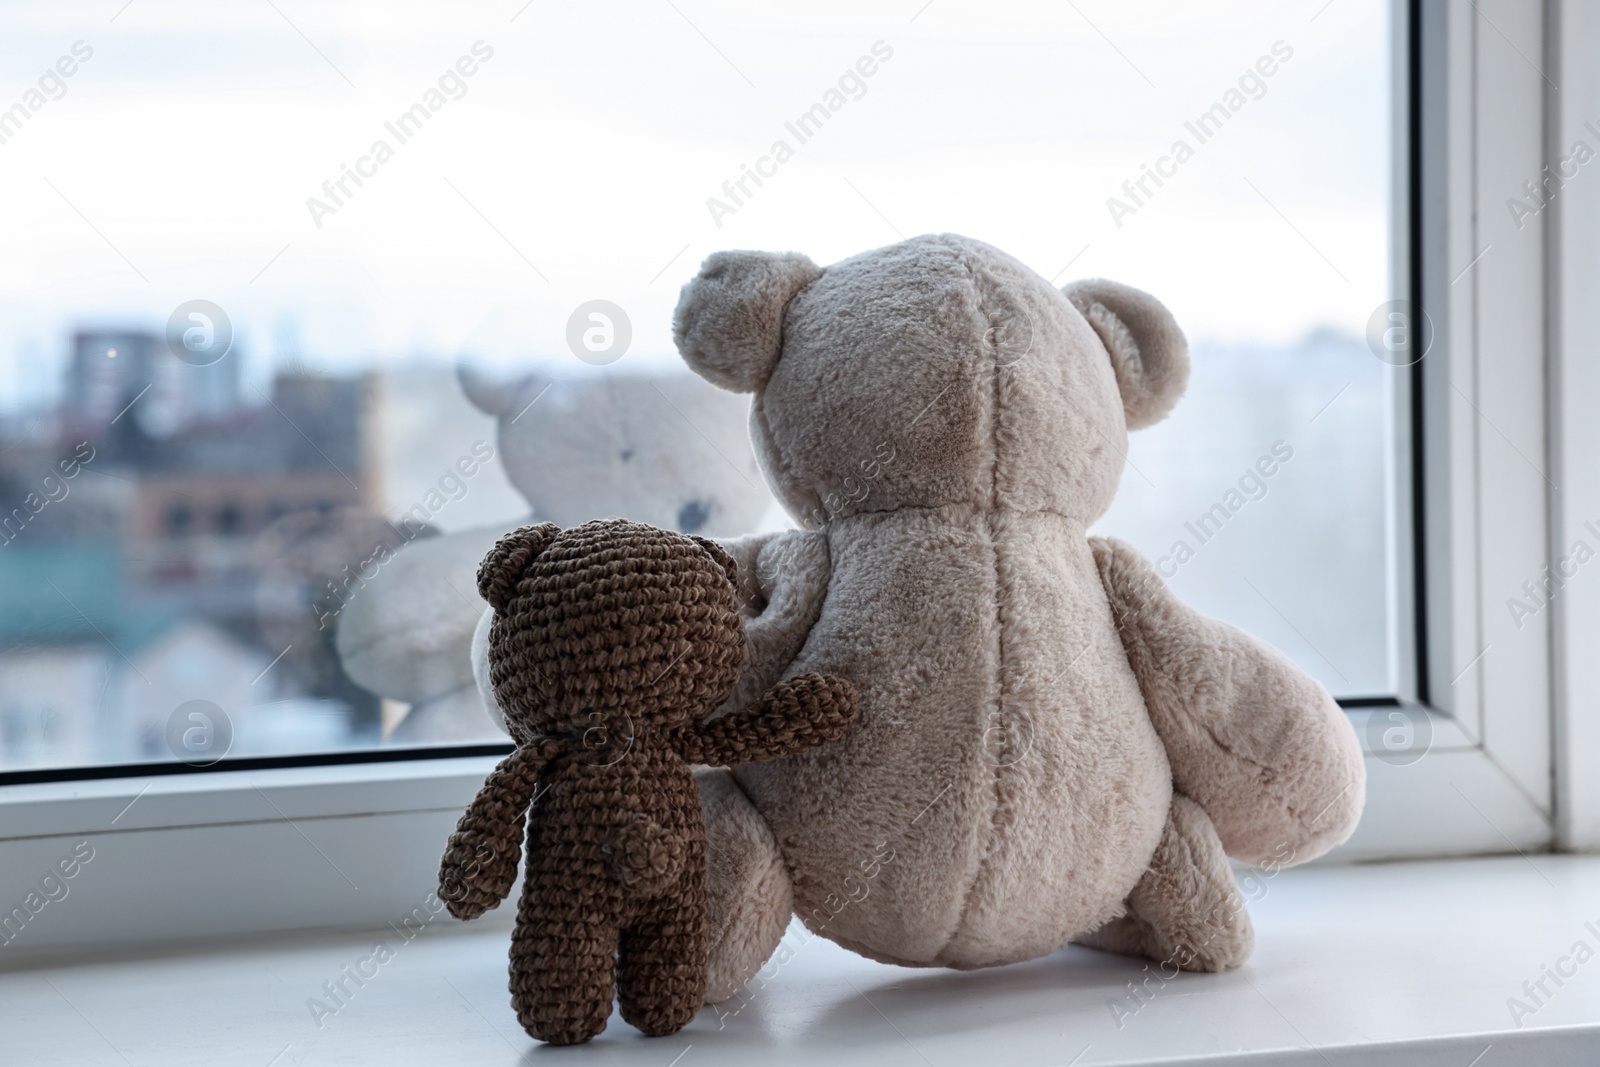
(750, 897)
(561, 977)
(1186, 911)
(661, 977)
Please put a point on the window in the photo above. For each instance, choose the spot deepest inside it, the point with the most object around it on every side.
(352, 295)
(216, 390)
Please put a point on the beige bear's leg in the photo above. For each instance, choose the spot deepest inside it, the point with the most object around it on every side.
(1186, 911)
(749, 895)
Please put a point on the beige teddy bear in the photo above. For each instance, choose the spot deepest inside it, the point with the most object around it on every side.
(1050, 747)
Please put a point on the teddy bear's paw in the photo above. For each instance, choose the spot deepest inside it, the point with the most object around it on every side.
(815, 709)
(1126, 935)
(1185, 912)
(1229, 949)
(476, 873)
(1187, 899)
(1211, 944)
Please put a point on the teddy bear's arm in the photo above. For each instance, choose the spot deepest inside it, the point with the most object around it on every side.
(481, 857)
(800, 713)
(746, 554)
(783, 578)
(1254, 740)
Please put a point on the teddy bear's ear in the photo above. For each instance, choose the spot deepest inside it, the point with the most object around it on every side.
(1148, 350)
(499, 395)
(720, 554)
(501, 569)
(488, 394)
(729, 322)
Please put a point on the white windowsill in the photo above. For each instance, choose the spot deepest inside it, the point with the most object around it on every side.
(1404, 963)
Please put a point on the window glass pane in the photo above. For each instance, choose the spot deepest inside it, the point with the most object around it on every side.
(244, 481)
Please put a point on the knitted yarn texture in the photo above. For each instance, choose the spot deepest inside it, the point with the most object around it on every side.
(611, 644)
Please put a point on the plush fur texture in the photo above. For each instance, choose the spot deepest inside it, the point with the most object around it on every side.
(730, 330)
(1049, 745)
(610, 643)
(1219, 698)
(1185, 910)
(1148, 352)
(751, 897)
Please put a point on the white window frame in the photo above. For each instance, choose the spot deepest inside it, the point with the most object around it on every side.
(1574, 316)
(187, 856)
(1483, 685)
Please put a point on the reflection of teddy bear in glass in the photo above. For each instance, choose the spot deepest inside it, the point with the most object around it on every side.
(664, 449)
(610, 644)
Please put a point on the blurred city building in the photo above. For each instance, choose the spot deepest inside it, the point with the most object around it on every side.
(132, 525)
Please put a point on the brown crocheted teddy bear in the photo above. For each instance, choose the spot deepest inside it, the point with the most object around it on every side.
(611, 642)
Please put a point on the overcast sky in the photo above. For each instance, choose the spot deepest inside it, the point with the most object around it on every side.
(578, 163)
